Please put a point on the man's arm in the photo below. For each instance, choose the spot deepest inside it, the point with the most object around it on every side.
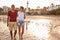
(8, 19)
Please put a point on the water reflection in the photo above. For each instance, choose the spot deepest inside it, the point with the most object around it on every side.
(3, 19)
(40, 28)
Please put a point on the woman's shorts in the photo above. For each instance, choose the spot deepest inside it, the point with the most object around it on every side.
(20, 22)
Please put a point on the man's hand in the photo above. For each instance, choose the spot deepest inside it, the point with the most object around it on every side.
(8, 21)
(7, 24)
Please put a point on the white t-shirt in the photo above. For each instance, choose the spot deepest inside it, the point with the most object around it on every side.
(20, 15)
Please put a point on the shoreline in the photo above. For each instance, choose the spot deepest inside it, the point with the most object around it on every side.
(36, 15)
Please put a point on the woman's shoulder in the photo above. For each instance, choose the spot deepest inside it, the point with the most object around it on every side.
(18, 11)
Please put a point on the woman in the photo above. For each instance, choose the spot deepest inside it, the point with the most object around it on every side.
(21, 17)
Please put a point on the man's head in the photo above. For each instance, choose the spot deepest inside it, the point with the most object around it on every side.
(13, 7)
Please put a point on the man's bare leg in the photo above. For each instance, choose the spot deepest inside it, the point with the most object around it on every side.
(15, 34)
(11, 35)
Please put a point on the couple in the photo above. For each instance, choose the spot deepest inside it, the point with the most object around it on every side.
(16, 18)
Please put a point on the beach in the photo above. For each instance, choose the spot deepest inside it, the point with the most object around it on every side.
(31, 34)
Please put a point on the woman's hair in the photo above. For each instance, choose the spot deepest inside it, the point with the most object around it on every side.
(22, 8)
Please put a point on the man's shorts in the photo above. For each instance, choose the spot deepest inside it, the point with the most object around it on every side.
(20, 22)
(12, 25)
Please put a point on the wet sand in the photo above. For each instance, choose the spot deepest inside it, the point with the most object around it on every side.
(54, 35)
(5, 35)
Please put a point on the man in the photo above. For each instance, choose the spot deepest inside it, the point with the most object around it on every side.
(12, 19)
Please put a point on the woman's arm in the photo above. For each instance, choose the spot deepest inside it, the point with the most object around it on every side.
(24, 15)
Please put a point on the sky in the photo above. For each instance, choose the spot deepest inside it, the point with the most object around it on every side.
(32, 3)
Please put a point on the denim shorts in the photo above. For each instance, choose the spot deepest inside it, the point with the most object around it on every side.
(20, 22)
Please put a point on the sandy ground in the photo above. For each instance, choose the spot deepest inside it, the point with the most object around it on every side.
(5, 35)
(4, 31)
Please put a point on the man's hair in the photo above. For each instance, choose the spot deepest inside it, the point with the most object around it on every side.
(12, 5)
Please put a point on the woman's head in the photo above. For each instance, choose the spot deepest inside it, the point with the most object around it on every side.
(22, 8)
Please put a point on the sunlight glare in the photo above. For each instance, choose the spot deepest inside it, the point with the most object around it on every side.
(39, 27)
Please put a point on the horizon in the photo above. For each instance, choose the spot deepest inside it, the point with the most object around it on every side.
(32, 3)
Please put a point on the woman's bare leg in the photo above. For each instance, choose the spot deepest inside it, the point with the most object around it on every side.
(22, 30)
(19, 30)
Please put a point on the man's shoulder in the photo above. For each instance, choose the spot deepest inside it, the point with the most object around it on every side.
(18, 11)
(9, 11)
